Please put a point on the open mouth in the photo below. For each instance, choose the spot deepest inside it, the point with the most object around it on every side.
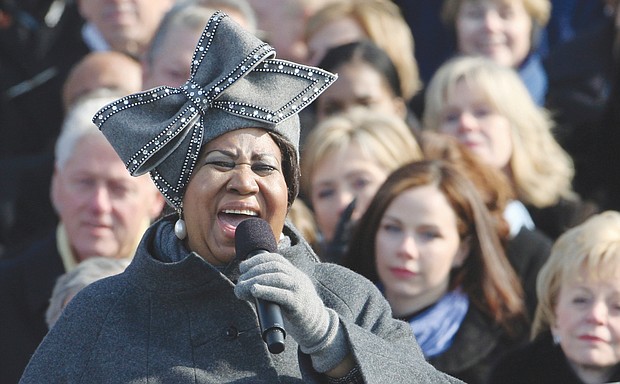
(234, 217)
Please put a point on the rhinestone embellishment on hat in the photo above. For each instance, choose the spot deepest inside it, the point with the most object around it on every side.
(162, 130)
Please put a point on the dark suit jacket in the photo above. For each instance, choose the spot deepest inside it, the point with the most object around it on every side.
(554, 220)
(527, 252)
(26, 284)
(581, 77)
(32, 74)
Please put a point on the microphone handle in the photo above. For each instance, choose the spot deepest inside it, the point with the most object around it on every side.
(271, 325)
(270, 319)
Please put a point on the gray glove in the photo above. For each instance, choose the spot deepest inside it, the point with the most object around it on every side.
(316, 328)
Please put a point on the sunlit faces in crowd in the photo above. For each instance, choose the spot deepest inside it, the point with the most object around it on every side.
(168, 60)
(337, 32)
(127, 26)
(588, 321)
(500, 30)
(359, 86)
(341, 176)
(417, 245)
(103, 209)
(282, 23)
(379, 21)
(171, 65)
(239, 175)
(169, 57)
(102, 69)
(487, 107)
(469, 116)
(347, 157)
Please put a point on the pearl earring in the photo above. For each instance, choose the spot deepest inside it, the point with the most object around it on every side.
(180, 230)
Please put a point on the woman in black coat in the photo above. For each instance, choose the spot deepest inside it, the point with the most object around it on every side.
(576, 333)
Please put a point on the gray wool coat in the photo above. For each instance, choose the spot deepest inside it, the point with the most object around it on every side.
(180, 322)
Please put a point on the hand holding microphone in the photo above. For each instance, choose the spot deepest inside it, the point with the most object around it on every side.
(253, 237)
(271, 277)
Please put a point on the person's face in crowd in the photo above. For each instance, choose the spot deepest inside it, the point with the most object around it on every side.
(588, 322)
(282, 22)
(171, 64)
(471, 119)
(416, 245)
(238, 176)
(359, 85)
(333, 34)
(126, 25)
(343, 175)
(498, 29)
(102, 207)
(110, 69)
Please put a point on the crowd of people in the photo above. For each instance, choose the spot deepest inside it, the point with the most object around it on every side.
(438, 176)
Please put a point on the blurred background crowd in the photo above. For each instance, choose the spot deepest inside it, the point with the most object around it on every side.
(466, 135)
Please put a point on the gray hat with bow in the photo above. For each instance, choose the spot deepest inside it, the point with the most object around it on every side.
(235, 82)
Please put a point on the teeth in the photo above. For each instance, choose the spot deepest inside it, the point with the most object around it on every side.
(240, 212)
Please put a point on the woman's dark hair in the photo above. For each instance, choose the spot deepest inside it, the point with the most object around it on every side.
(290, 166)
(486, 275)
(367, 52)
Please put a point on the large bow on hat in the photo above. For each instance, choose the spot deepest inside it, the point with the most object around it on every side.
(234, 83)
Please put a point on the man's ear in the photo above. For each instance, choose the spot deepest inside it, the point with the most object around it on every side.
(158, 206)
(55, 190)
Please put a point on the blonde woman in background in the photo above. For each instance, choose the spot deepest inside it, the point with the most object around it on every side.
(487, 107)
(344, 161)
(380, 21)
(576, 333)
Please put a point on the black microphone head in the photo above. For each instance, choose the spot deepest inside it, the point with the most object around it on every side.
(254, 234)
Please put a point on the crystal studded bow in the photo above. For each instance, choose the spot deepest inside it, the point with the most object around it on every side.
(235, 82)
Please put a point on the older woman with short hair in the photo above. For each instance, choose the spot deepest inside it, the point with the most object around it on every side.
(576, 333)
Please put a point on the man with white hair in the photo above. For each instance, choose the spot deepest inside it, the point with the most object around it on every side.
(103, 211)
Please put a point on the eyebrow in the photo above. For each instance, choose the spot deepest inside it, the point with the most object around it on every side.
(220, 152)
(390, 218)
(357, 173)
(235, 155)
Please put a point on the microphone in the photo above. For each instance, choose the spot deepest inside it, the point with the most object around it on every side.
(252, 237)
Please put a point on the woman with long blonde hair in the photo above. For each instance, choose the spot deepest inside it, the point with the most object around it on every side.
(487, 107)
